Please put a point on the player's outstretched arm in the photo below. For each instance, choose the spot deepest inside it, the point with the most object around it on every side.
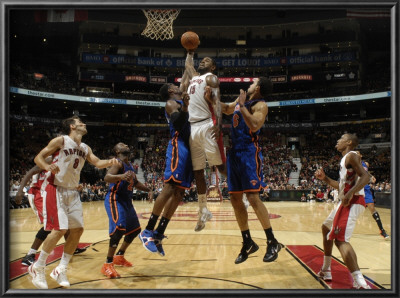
(184, 82)
(100, 163)
(256, 118)
(189, 65)
(228, 108)
(139, 185)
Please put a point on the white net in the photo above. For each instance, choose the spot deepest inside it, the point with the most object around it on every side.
(159, 23)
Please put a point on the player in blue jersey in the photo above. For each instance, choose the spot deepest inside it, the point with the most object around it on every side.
(245, 162)
(123, 220)
(370, 202)
(178, 174)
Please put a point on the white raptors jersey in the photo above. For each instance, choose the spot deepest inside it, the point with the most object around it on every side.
(70, 160)
(348, 178)
(198, 106)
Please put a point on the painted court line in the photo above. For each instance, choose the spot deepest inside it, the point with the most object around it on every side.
(17, 269)
(311, 258)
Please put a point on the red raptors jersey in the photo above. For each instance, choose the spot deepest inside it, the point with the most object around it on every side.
(37, 181)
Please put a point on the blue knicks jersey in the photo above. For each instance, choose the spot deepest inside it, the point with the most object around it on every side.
(124, 188)
(367, 188)
(241, 134)
(185, 132)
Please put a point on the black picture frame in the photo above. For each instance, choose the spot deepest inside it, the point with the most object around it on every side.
(5, 150)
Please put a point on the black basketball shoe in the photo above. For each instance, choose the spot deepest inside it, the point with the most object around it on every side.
(273, 247)
(246, 250)
(28, 260)
(79, 250)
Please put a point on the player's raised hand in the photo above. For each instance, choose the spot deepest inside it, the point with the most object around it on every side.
(242, 97)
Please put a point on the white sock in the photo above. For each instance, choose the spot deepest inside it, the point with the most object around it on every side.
(41, 261)
(65, 259)
(32, 251)
(202, 201)
(327, 263)
(359, 278)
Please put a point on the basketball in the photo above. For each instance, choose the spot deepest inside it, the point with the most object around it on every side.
(190, 40)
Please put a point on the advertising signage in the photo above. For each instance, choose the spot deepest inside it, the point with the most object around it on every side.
(221, 62)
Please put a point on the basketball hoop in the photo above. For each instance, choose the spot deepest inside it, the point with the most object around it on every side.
(159, 23)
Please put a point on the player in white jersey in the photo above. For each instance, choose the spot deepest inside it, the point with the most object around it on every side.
(205, 122)
(35, 198)
(340, 224)
(62, 208)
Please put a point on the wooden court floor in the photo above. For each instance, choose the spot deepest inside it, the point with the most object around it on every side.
(205, 260)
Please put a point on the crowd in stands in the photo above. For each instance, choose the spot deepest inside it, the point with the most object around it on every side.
(277, 163)
(320, 152)
(153, 163)
(27, 139)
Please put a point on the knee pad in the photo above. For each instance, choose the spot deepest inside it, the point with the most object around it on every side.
(116, 237)
(129, 238)
(42, 234)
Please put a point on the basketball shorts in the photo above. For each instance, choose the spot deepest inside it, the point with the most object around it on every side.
(62, 208)
(121, 214)
(36, 202)
(204, 147)
(178, 169)
(245, 170)
(368, 197)
(342, 221)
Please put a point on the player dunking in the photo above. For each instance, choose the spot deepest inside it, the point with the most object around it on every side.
(244, 164)
(63, 207)
(205, 121)
(123, 220)
(340, 223)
